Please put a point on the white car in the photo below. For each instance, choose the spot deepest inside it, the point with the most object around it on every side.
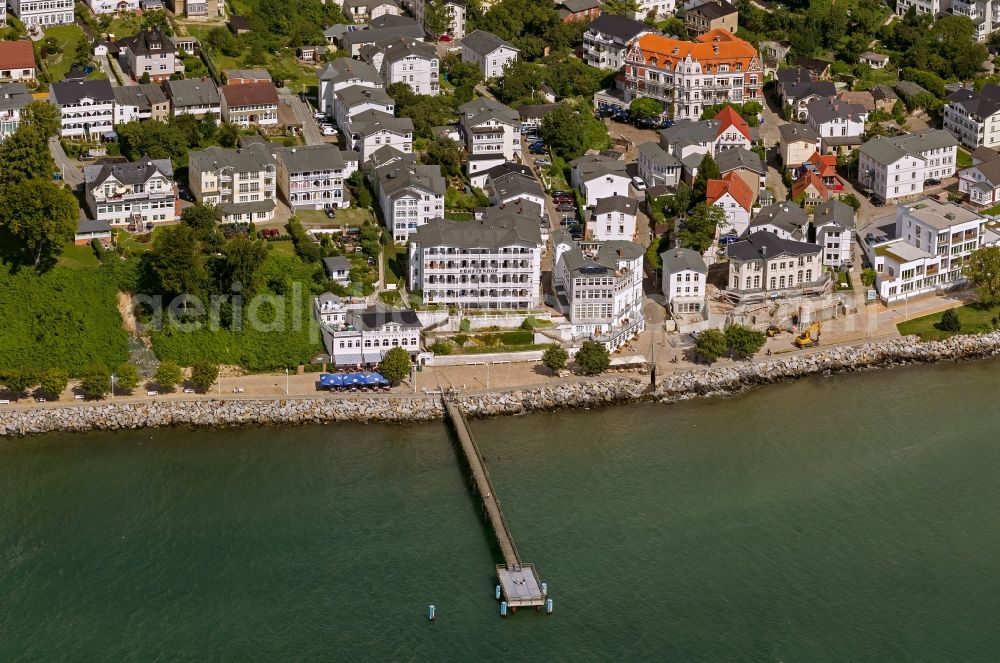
(319, 116)
(329, 131)
(638, 183)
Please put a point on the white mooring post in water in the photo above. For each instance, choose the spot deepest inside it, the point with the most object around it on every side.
(430, 612)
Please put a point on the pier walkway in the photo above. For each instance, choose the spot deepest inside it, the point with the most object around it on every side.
(519, 582)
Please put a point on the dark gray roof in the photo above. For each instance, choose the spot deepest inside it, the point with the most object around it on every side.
(147, 42)
(803, 89)
(313, 158)
(482, 109)
(679, 260)
(600, 256)
(336, 264)
(826, 110)
(574, 6)
(377, 316)
(399, 178)
(387, 154)
(349, 69)
(357, 95)
(736, 159)
(511, 184)
(910, 89)
(259, 206)
(623, 28)
(371, 121)
(143, 96)
(982, 104)
(765, 245)
(14, 96)
(483, 43)
(494, 232)
(714, 9)
(616, 204)
(990, 170)
(690, 132)
(535, 110)
(191, 92)
(404, 27)
(504, 168)
(136, 172)
(92, 226)
(889, 150)
(590, 167)
(793, 75)
(785, 215)
(814, 65)
(883, 92)
(397, 48)
(657, 154)
(250, 158)
(792, 132)
(71, 92)
(834, 212)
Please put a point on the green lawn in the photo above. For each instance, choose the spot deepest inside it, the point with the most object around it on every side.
(964, 159)
(284, 247)
(395, 263)
(992, 211)
(68, 36)
(78, 257)
(974, 318)
(351, 217)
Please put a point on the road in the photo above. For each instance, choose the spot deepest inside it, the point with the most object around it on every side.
(304, 114)
(72, 172)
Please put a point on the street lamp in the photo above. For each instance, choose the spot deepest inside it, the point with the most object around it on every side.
(286, 381)
(113, 378)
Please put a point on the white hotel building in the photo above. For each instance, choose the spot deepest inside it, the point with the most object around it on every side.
(493, 263)
(43, 13)
(896, 168)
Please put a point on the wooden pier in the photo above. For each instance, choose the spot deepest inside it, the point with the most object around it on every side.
(519, 583)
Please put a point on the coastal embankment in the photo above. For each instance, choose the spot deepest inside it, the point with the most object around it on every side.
(391, 408)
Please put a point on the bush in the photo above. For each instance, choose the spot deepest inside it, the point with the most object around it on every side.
(950, 322)
(460, 339)
(744, 341)
(465, 325)
(17, 381)
(710, 345)
(555, 358)
(593, 358)
(53, 382)
(441, 348)
(126, 377)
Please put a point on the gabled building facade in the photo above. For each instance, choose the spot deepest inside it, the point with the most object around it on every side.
(490, 53)
(137, 196)
(242, 182)
(409, 196)
(312, 176)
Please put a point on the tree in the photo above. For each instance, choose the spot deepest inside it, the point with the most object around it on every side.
(229, 135)
(145, 79)
(744, 341)
(176, 261)
(360, 192)
(555, 358)
(436, 18)
(698, 229)
(395, 365)
(157, 140)
(645, 107)
(41, 214)
(203, 375)
(710, 345)
(53, 382)
(244, 258)
(851, 200)
(570, 133)
(983, 270)
(592, 358)
(868, 277)
(95, 382)
(43, 116)
(446, 153)
(201, 218)
(17, 381)
(707, 170)
(25, 155)
(126, 377)
(168, 375)
(370, 238)
(463, 73)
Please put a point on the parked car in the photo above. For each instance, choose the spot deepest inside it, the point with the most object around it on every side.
(563, 201)
(185, 194)
(638, 183)
(561, 192)
(932, 180)
(566, 208)
(330, 212)
(537, 150)
(447, 38)
(329, 131)
(542, 162)
(319, 116)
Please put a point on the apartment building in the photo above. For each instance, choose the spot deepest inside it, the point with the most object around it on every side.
(492, 133)
(492, 263)
(312, 176)
(357, 99)
(763, 267)
(732, 195)
(657, 167)
(687, 76)
(149, 52)
(598, 287)
(597, 176)
(798, 143)
(974, 117)
(87, 108)
(456, 11)
(146, 101)
(490, 53)
(409, 196)
(250, 104)
(370, 131)
(895, 168)
(834, 224)
(981, 181)
(798, 87)
(194, 96)
(43, 13)
(613, 219)
(840, 125)
(367, 334)
(711, 15)
(405, 60)
(137, 196)
(242, 182)
(685, 281)
(343, 73)
(607, 40)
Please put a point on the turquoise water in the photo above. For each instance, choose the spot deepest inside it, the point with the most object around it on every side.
(852, 518)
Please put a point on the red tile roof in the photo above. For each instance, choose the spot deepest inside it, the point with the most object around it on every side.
(732, 184)
(809, 178)
(17, 55)
(715, 47)
(826, 164)
(728, 117)
(250, 94)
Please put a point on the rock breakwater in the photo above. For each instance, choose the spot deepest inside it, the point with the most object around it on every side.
(606, 390)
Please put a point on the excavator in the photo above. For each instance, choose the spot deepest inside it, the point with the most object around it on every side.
(805, 339)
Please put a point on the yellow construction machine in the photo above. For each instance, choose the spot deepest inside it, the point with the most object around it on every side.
(805, 339)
